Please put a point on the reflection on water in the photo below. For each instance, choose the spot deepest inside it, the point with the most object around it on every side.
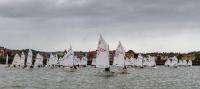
(91, 78)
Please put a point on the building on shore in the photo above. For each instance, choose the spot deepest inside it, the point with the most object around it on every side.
(2, 51)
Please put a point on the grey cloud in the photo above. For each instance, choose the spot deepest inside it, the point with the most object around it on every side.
(143, 25)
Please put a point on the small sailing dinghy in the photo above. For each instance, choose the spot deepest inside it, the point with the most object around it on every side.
(139, 62)
(29, 59)
(167, 62)
(69, 60)
(22, 60)
(102, 58)
(51, 61)
(60, 61)
(55, 63)
(16, 61)
(189, 63)
(180, 63)
(119, 59)
(152, 62)
(94, 62)
(38, 61)
(184, 63)
(77, 61)
(174, 62)
(83, 61)
(7, 60)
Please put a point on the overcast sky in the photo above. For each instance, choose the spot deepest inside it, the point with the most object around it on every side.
(141, 25)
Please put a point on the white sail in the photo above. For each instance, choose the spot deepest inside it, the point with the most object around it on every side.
(83, 61)
(152, 61)
(29, 58)
(55, 60)
(184, 63)
(134, 62)
(69, 58)
(94, 61)
(22, 60)
(77, 61)
(51, 60)
(119, 59)
(7, 60)
(102, 57)
(38, 60)
(139, 62)
(167, 62)
(174, 61)
(16, 60)
(60, 61)
(189, 63)
(180, 63)
(146, 62)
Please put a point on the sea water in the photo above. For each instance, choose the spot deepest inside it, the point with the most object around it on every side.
(89, 78)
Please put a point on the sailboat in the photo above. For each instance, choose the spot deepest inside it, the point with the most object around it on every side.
(119, 59)
(128, 62)
(22, 60)
(102, 57)
(77, 61)
(69, 60)
(29, 59)
(184, 63)
(56, 60)
(174, 62)
(152, 62)
(94, 62)
(7, 60)
(167, 62)
(16, 61)
(146, 62)
(139, 61)
(180, 63)
(83, 61)
(51, 61)
(60, 61)
(189, 63)
(38, 61)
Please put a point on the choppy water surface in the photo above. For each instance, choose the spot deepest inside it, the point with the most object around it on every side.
(88, 78)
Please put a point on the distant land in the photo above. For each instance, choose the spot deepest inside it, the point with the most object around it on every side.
(160, 56)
